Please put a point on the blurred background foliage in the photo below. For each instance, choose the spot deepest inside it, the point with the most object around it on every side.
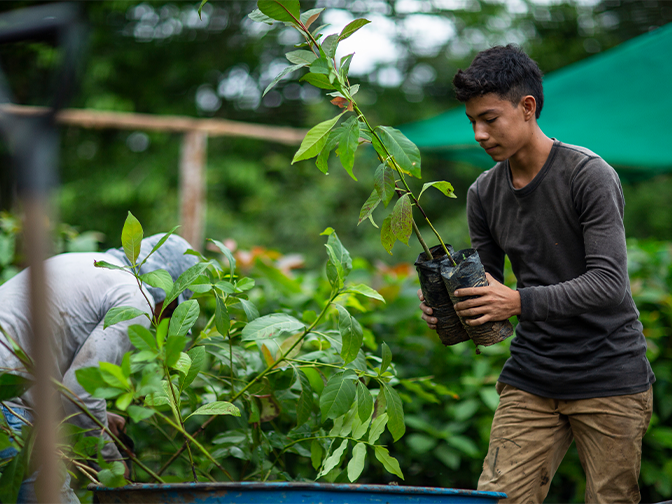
(159, 57)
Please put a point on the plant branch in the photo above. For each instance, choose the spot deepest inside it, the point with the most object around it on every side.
(178, 417)
(77, 401)
(196, 443)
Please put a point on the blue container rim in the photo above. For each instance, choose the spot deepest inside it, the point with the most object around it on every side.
(284, 485)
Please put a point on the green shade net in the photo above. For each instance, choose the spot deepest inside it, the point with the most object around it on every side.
(616, 104)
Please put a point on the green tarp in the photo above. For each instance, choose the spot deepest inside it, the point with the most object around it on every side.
(617, 103)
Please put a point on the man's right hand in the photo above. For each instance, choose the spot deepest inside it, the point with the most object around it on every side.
(427, 312)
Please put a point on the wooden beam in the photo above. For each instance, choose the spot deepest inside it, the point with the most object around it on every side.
(193, 200)
(97, 119)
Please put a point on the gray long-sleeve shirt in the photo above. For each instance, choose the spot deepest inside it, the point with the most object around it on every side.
(578, 335)
(80, 295)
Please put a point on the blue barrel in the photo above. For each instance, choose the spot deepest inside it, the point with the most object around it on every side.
(289, 493)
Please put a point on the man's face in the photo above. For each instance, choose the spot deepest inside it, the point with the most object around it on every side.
(500, 127)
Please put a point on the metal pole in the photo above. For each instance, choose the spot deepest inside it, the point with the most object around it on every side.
(33, 142)
(193, 188)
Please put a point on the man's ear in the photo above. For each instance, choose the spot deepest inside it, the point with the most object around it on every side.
(529, 107)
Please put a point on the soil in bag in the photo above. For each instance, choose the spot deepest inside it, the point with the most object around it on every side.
(449, 328)
(469, 272)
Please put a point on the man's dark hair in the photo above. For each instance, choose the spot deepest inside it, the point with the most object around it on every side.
(504, 70)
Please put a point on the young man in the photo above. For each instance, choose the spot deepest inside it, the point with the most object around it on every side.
(578, 368)
(80, 295)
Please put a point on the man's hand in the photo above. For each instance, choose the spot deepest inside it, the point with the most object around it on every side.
(116, 423)
(427, 312)
(496, 302)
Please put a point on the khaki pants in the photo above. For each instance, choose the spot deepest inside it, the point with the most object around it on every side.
(531, 434)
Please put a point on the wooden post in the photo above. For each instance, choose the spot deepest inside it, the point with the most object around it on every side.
(192, 188)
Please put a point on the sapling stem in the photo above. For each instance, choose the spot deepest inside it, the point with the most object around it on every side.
(396, 167)
(178, 417)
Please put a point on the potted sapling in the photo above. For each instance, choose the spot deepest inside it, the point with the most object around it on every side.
(441, 269)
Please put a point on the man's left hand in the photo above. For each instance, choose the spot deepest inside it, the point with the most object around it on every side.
(495, 302)
(116, 423)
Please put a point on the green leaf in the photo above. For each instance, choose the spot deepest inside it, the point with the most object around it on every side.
(278, 77)
(13, 474)
(304, 406)
(131, 237)
(183, 318)
(369, 206)
(183, 281)
(348, 143)
(162, 332)
(12, 386)
(316, 379)
(183, 364)
(159, 244)
(316, 454)
(380, 404)
(110, 479)
(260, 17)
(109, 392)
(390, 464)
(126, 364)
(395, 412)
(222, 318)
(377, 427)
(250, 309)
(226, 287)
(387, 236)
(217, 408)
(402, 219)
(197, 356)
(351, 334)
(322, 66)
(334, 459)
(315, 139)
(338, 395)
(405, 152)
(322, 161)
(318, 80)
(90, 378)
(329, 45)
(384, 183)
(344, 69)
(364, 402)
(244, 284)
(352, 27)
(443, 186)
(106, 265)
(113, 375)
(339, 257)
(227, 253)
(138, 413)
(173, 348)
(142, 338)
(387, 358)
(121, 314)
(272, 325)
(158, 278)
(311, 13)
(365, 290)
(301, 57)
(288, 11)
(124, 400)
(356, 464)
